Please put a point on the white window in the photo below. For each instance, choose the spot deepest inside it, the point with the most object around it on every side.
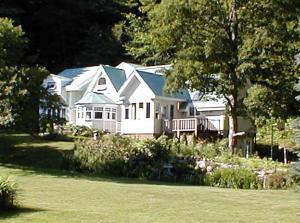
(148, 110)
(127, 113)
(107, 113)
(98, 112)
(113, 113)
(133, 111)
(51, 85)
(88, 115)
(79, 114)
(102, 81)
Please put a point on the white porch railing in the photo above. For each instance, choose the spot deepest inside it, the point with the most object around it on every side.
(190, 125)
(184, 124)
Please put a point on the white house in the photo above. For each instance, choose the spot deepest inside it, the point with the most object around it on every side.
(129, 99)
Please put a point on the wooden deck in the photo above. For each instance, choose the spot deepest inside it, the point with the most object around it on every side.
(195, 125)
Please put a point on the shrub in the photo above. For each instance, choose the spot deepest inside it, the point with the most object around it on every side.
(211, 150)
(294, 173)
(275, 181)
(170, 160)
(205, 150)
(238, 178)
(7, 193)
(103, 156)
(254, 163)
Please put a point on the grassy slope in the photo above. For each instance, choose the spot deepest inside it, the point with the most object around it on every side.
(55, 197)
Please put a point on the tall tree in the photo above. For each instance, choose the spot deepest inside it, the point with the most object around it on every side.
(20, 85)
(222, 46)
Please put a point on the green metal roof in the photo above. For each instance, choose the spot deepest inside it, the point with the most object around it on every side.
(117, 76)
(157, 82)
(94, 98)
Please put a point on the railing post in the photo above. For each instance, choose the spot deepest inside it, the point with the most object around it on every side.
(196, 125)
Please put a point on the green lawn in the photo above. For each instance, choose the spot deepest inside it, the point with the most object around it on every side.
(56, 196)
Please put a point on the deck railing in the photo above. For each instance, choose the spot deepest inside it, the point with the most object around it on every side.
(184, 124)
(191, 125)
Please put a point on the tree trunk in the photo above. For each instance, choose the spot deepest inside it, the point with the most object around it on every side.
(233, 128)
(233, 122)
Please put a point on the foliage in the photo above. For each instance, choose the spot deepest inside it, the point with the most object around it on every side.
(121, 156)
(88, 43)
(7, 193)
(20, 85)
(262, 97)
(47, 121)
(238, 178)
(212, 150)
(222, 47)
(276, 180)
(150, 158)
(84, 131)
(294, 173)
(285, 137)
(12, 43)
(169, 160)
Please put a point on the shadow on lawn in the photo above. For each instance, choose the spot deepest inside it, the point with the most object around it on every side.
(91, 176)
(33, 157)
(31, 152)
(17, 211)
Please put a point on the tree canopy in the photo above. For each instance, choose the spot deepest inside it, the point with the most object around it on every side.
(20, 85)
(69, 33)
(222, 46)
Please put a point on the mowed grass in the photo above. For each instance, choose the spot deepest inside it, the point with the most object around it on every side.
(33, 152)
(57, 196)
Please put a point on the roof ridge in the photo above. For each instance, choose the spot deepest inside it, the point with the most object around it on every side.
(79, 68)
(106, 65)
(151, 73)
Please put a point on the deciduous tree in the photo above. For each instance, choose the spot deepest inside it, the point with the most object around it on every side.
(20, 85)
(222, 46)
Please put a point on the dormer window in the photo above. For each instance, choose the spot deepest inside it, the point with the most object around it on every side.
(51, 85)
(102, 81)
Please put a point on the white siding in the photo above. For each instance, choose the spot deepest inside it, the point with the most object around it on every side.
(108, 90)
(139, 93)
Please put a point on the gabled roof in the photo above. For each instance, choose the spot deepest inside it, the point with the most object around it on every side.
(75, 72)
(157, 82)
(116, 76)
(94, 98)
